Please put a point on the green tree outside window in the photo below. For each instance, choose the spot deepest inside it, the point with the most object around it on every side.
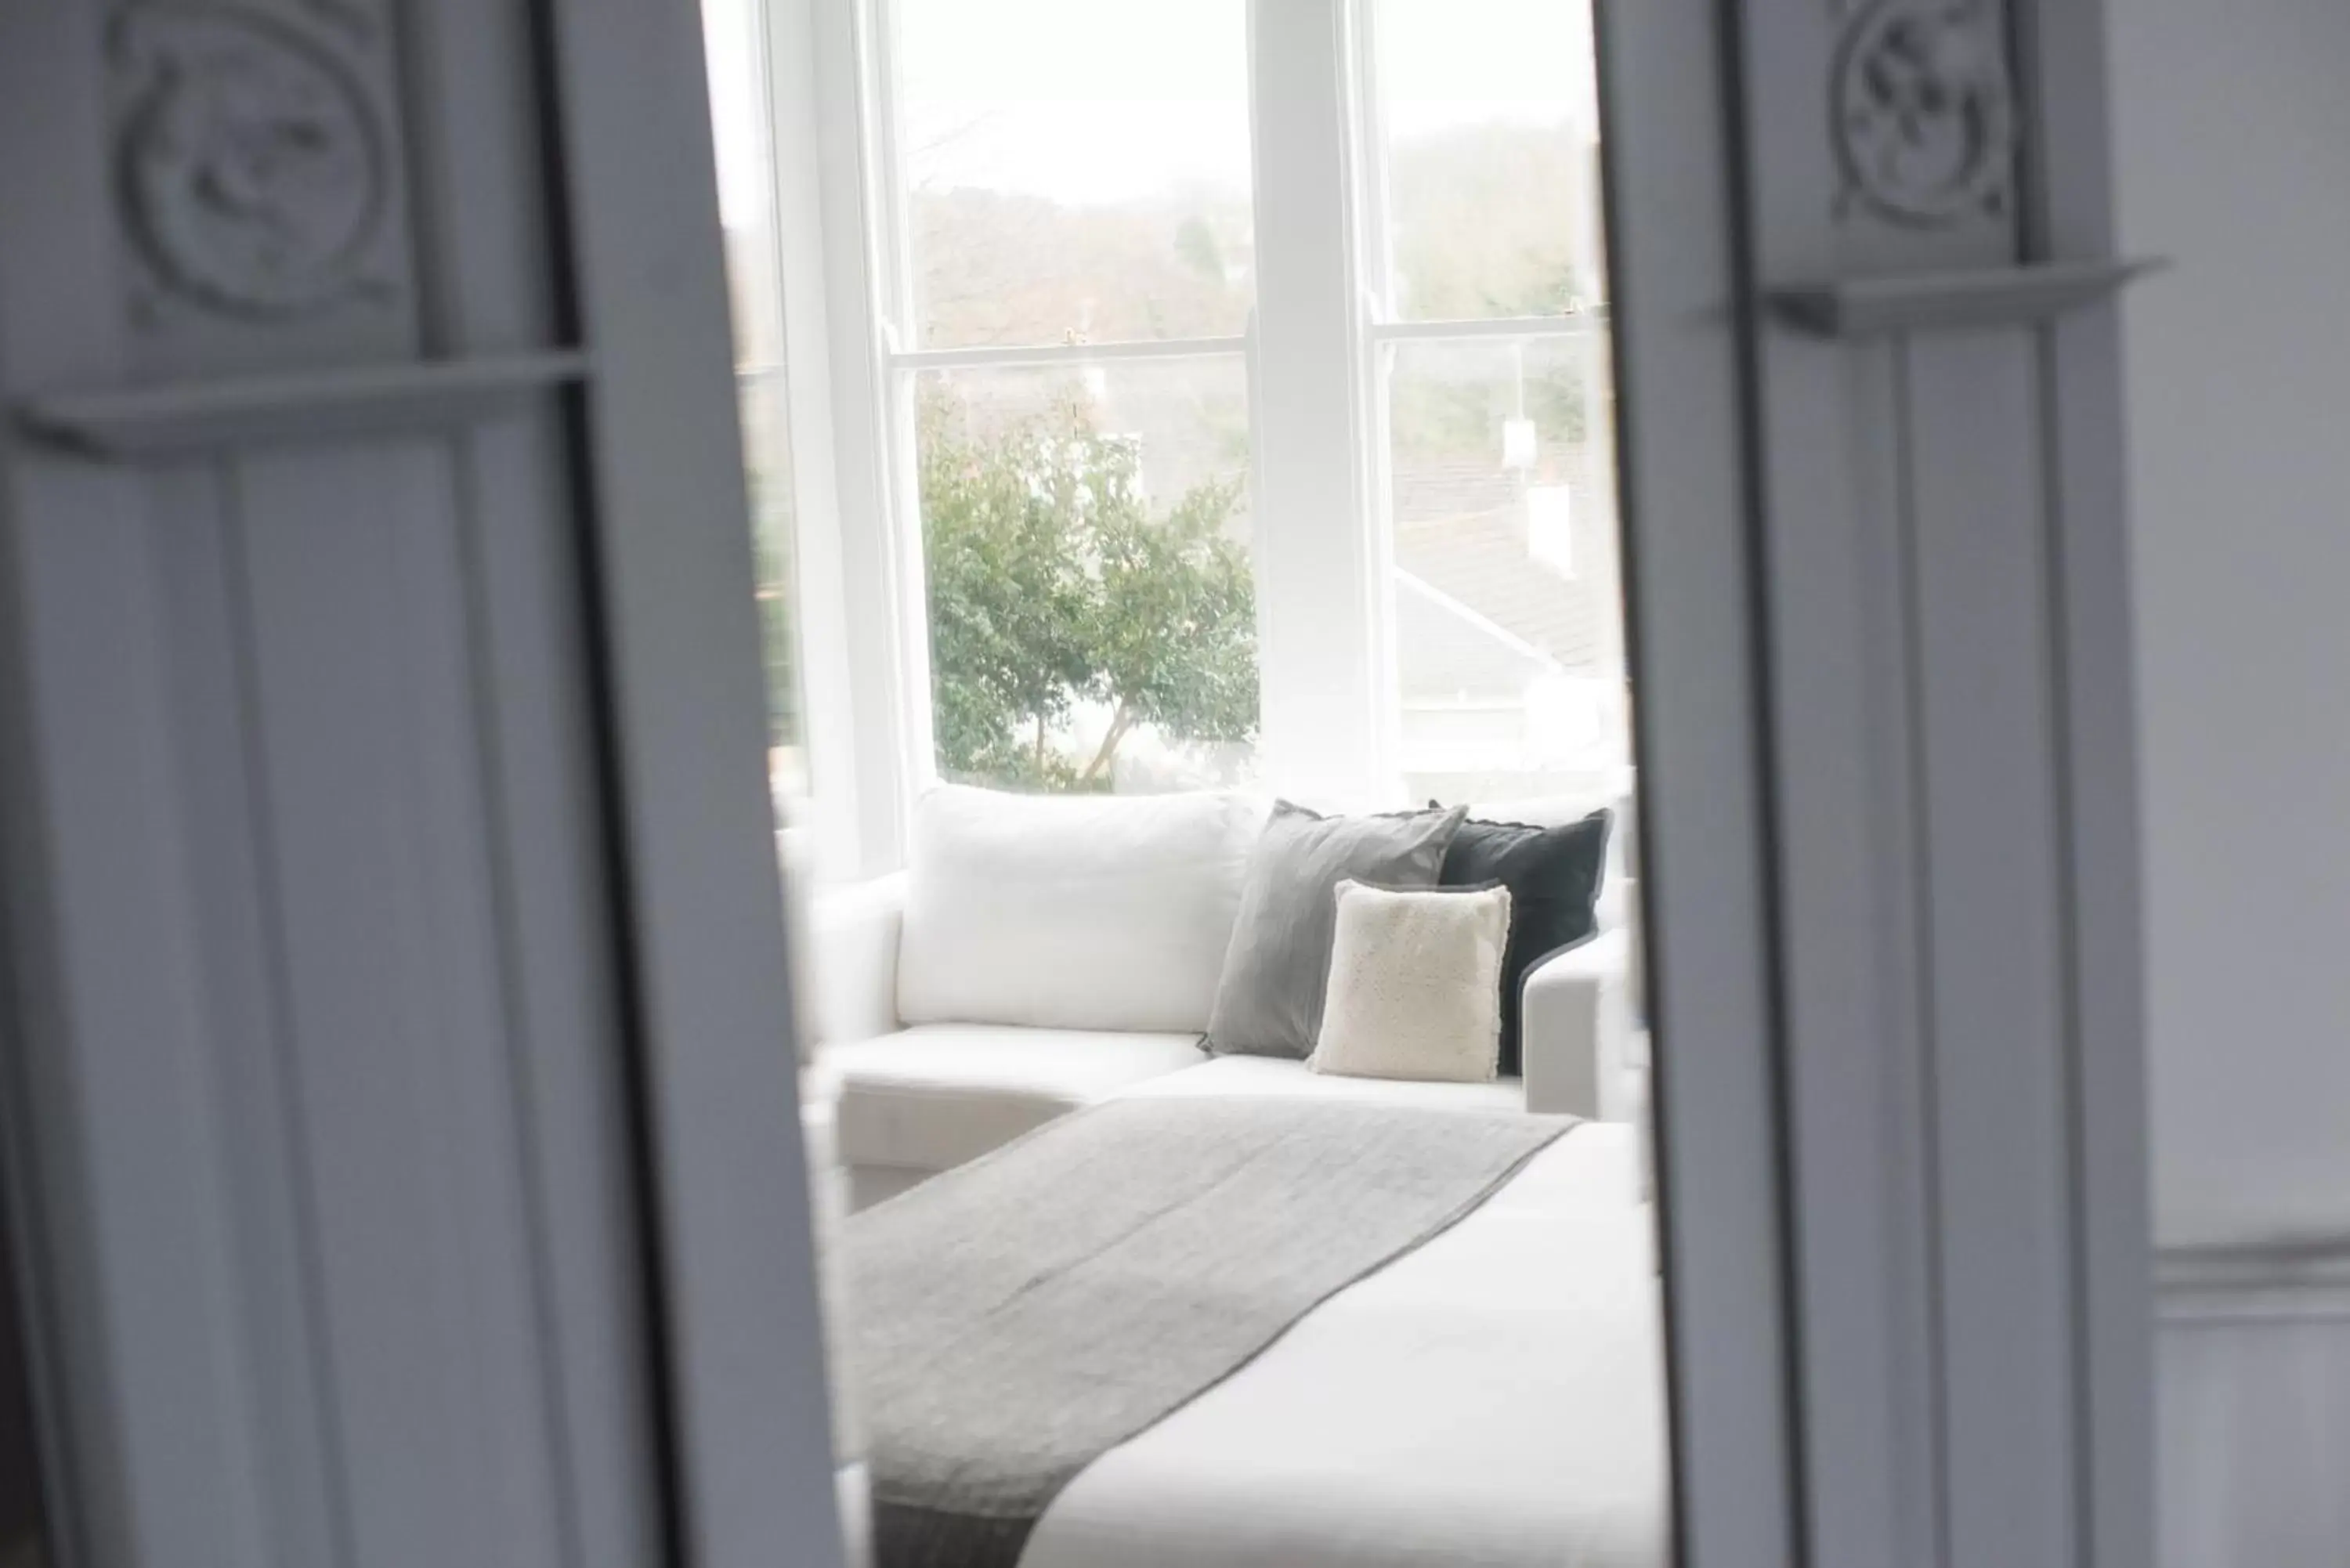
(1053, 586)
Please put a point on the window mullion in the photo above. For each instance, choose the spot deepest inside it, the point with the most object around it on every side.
(1321, 582)
(892, 237)
(1376, 256)
(885, 725)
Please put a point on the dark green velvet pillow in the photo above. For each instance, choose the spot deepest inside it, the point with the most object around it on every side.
(1553, 875)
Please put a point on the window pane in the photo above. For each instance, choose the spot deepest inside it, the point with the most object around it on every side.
(1509, 620)
(1093, 616)
(1488, 133)
(756, 289)
(1076, 170)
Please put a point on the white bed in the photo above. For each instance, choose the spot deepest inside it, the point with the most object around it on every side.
(1494, 1399)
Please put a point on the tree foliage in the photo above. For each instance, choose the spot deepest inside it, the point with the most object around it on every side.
(1052, 586)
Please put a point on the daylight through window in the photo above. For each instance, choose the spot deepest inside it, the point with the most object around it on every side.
(1210, 399)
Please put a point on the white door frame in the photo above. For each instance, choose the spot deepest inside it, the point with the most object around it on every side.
(746, 1391)
(1833, 539)
(1677, 292)
(747, 1436)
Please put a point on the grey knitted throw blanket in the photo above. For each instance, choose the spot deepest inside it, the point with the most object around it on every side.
(1018, 1317)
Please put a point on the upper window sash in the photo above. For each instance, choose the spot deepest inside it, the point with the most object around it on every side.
(1326, 668)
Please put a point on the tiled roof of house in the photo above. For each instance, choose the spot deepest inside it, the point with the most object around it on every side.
(1445, 651)
(1462, 531)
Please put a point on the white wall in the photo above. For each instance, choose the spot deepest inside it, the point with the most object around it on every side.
(2233, 154)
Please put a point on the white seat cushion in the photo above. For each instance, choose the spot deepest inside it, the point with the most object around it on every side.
(1279, 1076)
(933, 1096)
(1071, 912)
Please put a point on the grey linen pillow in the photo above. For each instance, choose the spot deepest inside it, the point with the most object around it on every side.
(1268, 1001)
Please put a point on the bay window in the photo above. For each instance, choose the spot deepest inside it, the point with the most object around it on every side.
(1194, 392)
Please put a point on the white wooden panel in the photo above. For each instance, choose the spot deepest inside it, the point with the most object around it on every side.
(556, 943)
(2254, 1437)
(122, 1106)
(379, 878)
(2062, 54)
(268, 1193)
(479, 165)
(1927, 862)
(397, 1311)
(1895, 1226)
(310, 950)
(109, 1081)
(1835, 486)
(1997, 1023)
(1955, 801)
(1839, 484)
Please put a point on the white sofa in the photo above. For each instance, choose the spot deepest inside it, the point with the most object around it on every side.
(1041, 955)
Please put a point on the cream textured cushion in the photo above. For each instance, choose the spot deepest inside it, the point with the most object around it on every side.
(1093, 912)
(1415, 984)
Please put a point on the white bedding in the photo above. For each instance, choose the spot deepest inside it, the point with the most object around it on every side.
(1493, 1399)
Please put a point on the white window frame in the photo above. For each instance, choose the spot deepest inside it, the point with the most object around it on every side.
(1317, 352)
(898, 366)
(1325, 669)
(1385, 330)
(861, 622)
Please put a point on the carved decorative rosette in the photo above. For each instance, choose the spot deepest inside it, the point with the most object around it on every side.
(259, 183)
(252, 162)
(1923, 114)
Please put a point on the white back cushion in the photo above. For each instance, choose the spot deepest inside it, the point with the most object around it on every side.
(1071, 912)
